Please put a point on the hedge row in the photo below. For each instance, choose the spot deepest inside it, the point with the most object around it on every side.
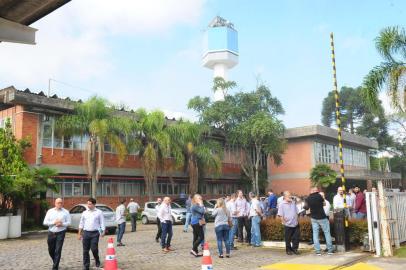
(272, 229)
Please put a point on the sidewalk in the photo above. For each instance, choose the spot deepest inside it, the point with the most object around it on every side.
(324, 262)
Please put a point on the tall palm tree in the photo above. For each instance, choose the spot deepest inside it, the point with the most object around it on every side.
(152, 140)
(391, 45)
(97, 120)
(199, 152)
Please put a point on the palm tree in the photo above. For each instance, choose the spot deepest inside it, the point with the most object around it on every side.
(391, 45)
(199, 152)
(152, 140)
(99, 122)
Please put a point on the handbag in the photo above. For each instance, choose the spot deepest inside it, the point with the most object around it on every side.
(202, 221)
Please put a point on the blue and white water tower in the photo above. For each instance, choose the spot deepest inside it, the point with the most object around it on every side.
(220, 50)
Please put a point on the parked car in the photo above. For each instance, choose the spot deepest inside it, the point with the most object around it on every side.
(149, 214)
(108, 213)
(212, 201)
(209, 207)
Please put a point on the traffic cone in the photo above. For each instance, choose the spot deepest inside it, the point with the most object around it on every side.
(111, 261)
(207, 264)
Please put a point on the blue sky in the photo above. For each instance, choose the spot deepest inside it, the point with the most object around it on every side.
(148, 53)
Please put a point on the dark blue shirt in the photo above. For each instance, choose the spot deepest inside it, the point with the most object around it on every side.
(272, 201)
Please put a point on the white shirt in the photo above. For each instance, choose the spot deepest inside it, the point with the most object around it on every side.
(120, 214)
(255, 208)
(231, 208)
(92, 220)
(52, 215)
(279, 201)
(338, 201)
(165, 212)
(327, 208)
(133, 207)
(157, 210)
(241, 207)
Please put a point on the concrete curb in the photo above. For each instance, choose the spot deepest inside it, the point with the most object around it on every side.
(281, 245)
(349, 263)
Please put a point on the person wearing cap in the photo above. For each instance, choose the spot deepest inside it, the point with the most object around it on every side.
(133, 210)
(255, 215)
(57, 220)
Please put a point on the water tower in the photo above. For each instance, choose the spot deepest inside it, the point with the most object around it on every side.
(220, 50)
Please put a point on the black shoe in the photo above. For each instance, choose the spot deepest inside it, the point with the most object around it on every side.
(157, 240)
(97, 264)
(295, 251)
(234, 248)
(120, 245)
(221, 256)
(289, 253)
(227, 255)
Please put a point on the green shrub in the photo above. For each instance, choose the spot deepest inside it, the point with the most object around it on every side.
(273, 230)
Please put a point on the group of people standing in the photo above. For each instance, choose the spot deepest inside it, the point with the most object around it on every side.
(91, 228)
(232, 216)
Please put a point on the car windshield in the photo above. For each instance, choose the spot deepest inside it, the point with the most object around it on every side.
(181, 203)
(175, 205)
(104, 208)
(207, 204)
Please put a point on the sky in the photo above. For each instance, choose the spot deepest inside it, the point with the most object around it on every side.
(148, 53)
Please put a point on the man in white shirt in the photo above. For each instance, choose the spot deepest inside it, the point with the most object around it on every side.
(120, 218)
(338, 200)
(165, 215)
(57, 219)
(92, 225)
(255, 216)
(133, 209)
(241, 213)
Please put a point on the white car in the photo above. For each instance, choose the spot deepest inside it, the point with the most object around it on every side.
(149, 214)
(108, 213)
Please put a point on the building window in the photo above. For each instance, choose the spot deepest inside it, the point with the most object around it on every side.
(330, 154)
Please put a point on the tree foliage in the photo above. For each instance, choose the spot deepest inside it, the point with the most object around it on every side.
(193, 149)
(247, 119)
(18, 183)
(97, 120)
(356, 116)
(391, 45)
(322, 176)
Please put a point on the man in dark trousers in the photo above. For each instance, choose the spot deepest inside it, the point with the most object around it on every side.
(57, 219)
(288, 212)
(92, 225)
(158, 220)
(315, 203)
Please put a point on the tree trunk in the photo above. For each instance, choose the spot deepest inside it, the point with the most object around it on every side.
(93, 169)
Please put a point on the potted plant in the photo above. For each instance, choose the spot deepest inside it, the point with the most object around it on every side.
(322, 176)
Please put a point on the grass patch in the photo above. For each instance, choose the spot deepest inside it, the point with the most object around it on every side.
(401, 252)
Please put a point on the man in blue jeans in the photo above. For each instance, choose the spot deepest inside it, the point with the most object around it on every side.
(315, 203)
(188, 213)
(233, 213)
(255, 215)
(121, 221)
(165, 215)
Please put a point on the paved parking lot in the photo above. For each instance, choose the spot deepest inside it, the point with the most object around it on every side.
(141, 252)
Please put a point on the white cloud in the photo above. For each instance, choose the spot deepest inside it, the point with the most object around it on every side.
(72, 41)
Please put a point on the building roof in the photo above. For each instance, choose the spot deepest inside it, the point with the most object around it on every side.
(330, 133)
(27, 12)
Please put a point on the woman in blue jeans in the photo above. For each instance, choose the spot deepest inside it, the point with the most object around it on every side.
(222, 229)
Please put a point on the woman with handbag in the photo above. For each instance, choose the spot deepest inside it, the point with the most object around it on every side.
(197, 221)
(222, 225)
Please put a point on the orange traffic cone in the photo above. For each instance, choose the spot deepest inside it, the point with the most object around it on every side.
(206, 260)
(111, 262)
